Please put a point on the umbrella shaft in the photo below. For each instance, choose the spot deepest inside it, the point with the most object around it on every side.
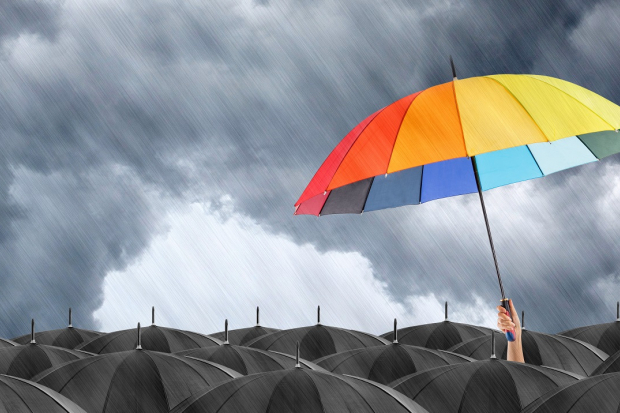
(486, 221)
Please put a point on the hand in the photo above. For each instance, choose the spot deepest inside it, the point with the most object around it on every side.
(504, 323)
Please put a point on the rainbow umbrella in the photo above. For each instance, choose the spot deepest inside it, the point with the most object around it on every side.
(465, 136)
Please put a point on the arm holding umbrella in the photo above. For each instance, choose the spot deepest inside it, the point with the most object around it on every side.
(505, 323)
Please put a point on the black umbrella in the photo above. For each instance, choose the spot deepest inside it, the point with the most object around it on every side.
(598, 394)
(316, 341)
(155, 338)
(23, 396)
(491, 385)
(133, 381)
(301, 391)
(242, 336)
(386, 363)
(31, 359)
(540, 349)
(610, 365)
(438, 336)
(69, 337)
(604, 336)
(7, 343)
(245, 360)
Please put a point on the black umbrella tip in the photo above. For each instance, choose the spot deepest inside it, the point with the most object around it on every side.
(493, 356)
(257, 316)
(446, 311)
(32, 340)
(618, 311)
(226, 332)
(395, 341)
(70, 323)
(153, 315)
(453, 69)
(139, 346)
(297, 363)
(318, 315)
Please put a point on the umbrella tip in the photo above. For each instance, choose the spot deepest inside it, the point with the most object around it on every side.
(395, 333)
(297, 364)
(32, 340)
(453, 69)
(493, 357)
(522, 320)
(153, 315)
(446, 310)
(226, 332)
(139, 346)
(70, 323)
(618, 311)
(257, 316)
(318, 316)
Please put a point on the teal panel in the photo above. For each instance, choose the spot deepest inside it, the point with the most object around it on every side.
(602, 144)
(506, 167)
(559, 155)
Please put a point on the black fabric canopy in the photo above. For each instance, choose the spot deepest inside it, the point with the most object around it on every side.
(610, 365)
(316, 341)
(242, 336)
(246, 360)
(438, 336)
(133, 381)
(23, 396)
(489, 386)
(31, 359)
(6, 343)
(299, 391)
(68, 337)
(598, 394)
(155, 338)
(386, 363)
(540, 349)
(604, 336)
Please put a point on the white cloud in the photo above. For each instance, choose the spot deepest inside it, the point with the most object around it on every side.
(215, 265)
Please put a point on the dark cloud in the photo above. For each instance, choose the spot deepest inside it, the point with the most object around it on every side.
(29, 16)
(247, 99)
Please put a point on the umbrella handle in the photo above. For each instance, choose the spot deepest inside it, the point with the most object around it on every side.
(510, 334)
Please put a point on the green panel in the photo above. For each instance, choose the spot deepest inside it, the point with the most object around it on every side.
(602, 144)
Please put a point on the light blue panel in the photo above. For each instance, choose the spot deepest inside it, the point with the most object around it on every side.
(448, 178)
(395, 189)
(559, 155)
(506, 167)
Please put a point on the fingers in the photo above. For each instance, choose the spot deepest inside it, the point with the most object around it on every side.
(513, 312)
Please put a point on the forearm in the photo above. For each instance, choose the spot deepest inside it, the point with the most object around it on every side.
(515, 351)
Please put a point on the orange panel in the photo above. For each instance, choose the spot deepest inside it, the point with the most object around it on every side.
(430, 132)
(370, 154)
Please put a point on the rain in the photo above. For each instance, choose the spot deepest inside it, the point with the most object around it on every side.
(152, 154)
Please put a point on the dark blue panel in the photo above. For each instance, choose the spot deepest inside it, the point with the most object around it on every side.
(395, 189)
(448, 178)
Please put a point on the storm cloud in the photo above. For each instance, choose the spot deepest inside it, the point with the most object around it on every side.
(113, 114)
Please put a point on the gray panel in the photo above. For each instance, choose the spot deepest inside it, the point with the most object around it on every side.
(348, 199)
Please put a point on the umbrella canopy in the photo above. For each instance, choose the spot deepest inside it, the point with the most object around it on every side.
(604, 336)
(438, 336)
(246, 360)
(384, 364)
(155, 338)
(242, 336)
(298, 390)
(7, 343)
(316, 341)
(492, 385)
(542, 350)
(133, 381)
(610, 365)
(69, 337)
(418, 149)
(595, 394)
(23, 396)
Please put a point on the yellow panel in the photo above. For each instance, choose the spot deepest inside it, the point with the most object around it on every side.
(607, 110)
(556, 113)
(430, 131)
(492, 118)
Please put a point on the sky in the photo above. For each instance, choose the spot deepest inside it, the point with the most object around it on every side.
(152, 152)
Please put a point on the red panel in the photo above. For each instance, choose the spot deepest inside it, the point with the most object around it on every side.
(313, 205)
(321, 179)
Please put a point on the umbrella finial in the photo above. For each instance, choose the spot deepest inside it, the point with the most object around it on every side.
(139, 346)
(32, 340)
(226, 332)
(453, 69)
(618, 311)
(297, 364)
(493, 357)
(523, 320)
(446, 311)
(70, 323)
(153, 315)
(257, 316)
(318, 316)
(395, 333)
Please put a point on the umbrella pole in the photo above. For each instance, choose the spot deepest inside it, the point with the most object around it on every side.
(509, 334)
